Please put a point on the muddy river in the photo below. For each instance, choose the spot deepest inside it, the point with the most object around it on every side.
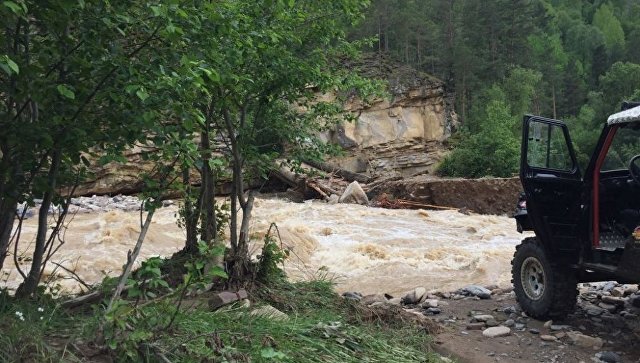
(361, 248)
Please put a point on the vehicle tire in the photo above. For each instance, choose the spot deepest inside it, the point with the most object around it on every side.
(543, 290)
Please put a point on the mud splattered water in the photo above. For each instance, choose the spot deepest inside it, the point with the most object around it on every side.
(362, 248)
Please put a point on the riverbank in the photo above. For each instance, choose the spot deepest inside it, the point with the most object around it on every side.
(283, 322)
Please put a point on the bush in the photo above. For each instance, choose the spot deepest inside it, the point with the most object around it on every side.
(493, 151)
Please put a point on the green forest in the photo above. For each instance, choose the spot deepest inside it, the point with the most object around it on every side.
(573, 60)
(227, 91)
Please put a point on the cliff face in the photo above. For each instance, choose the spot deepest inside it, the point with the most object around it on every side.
(403, 134)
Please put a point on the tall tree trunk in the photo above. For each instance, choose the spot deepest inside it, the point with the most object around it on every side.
(206, 190)
(8, 205)
(191, 214)
(7, 216)
(30, 284)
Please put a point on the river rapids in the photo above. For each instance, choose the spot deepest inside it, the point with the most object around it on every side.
(360, 248)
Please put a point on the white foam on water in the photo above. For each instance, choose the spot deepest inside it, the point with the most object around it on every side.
(363, 249)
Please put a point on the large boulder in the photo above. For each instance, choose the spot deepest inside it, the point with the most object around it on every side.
(354, 194)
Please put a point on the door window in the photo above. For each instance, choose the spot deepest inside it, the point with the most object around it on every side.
(547, 147)
(624, 147)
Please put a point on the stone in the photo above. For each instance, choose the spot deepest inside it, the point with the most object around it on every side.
(608, 357)
(491, 322)
(476, 290)
(534, 331)
(414, 296)
(333, 199)
(430, 303)
(496, 331)
(268, 311)
(370, 299)
(608, 286)
(594, 311)
(519, 326)
(223, 298)
(614, 300)
(509, 323)
(617, 291)
(548, 338)
(548, 324)
(354, 194)
(433, 311)
(630, 289)
(483, 318)
(560, 335)
(395, 301)
(608, 307)
(585, 341)
(559, 327)
(635, 301)
(352, 296)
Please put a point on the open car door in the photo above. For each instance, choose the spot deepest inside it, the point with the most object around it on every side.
(552, 182)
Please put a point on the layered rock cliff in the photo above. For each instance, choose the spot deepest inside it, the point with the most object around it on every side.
(401, 134)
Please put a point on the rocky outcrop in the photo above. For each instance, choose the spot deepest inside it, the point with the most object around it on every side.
(402, 134)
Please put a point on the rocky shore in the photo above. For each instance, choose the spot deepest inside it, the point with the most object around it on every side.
(93, 204)
(485, 324)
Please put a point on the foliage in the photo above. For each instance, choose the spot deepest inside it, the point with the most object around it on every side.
(493, 151)
(146, 280)
(26, 326)
(63, 71)
(128, 326)
(566, 59)
(270, 259)
(322, 328)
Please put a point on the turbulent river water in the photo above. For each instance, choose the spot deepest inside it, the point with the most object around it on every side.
(365, 249)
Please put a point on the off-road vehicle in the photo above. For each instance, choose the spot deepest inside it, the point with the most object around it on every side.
(586, 224)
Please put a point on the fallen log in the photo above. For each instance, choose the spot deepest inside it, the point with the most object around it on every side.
(289, 177)
(298, 181)
(343, 173)
(89, 298)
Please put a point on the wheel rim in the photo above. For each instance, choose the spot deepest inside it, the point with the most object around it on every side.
(533, 278)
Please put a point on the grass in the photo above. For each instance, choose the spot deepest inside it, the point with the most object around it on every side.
(321, 327)
(31, 330)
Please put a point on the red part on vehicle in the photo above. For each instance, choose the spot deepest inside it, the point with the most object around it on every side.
(596, 186)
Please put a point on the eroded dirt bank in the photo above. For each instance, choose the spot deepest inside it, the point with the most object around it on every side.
(485, 196)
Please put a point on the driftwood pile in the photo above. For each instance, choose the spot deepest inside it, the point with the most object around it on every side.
(321, 179)
(329, 182)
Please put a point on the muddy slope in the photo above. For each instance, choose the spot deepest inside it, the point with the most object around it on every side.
(485, 196)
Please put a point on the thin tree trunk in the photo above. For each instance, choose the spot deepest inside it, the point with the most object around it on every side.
(30, 284)
(191, 215)
(131, 259)
(208, 203)
(8, 205)
(7, 216)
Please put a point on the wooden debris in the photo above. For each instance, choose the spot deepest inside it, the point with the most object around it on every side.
(385, 202)
(89, 298)
(343, 173)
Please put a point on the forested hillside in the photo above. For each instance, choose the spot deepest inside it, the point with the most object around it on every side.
(574, 60)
